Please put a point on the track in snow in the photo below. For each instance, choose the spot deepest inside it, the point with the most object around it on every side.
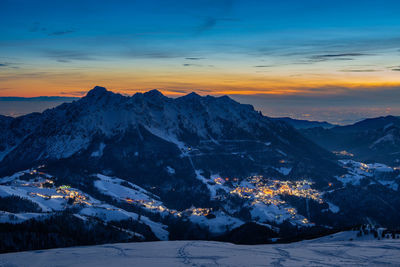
(203, 253)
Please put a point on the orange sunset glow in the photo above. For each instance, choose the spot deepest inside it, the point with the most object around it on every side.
(269, 57)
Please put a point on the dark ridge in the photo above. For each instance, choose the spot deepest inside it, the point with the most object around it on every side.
(97, 91)
(154, 93)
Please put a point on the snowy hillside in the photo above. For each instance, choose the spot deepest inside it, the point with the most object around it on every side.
(202, 253)
(198, 127)
(149, 167)
(38, 188)
(263, 201)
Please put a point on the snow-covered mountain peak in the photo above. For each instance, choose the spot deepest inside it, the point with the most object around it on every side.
(97, 92)
(226, 98)
(191, 95)
(154, 94)
(191, 120)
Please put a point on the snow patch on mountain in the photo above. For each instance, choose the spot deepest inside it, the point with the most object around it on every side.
(34, 194)
(220, 224)
(13, 177)
(333, 207)
(98, 153)
(284, 170)
(109, 213)
(114, 187)
(276, 213)
(357, 171)
(170, 170)
(388, 138)
(58, 147)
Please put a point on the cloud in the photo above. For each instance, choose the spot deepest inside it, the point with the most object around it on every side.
(37, 27)
(342, 56)
(359, 70)
(192, 65)
(196, 65)
(41, 75)
(334, 96)
(263, 66)
(8, 65)
(179, 91)
(396, 69)
(209, 23)
(194, 58)
(74, 93)
(64, 56)
(303, 51)
(215, 12)
(153, 54)
(23, 76)
(57, 33)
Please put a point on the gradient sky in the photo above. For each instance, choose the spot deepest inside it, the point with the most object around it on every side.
(301, 57)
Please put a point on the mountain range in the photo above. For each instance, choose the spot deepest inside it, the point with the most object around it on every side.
(148, 167)
(305, 124)
(370, 140)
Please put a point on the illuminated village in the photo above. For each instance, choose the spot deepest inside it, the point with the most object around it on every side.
(268, 191)
(62, 192)
(260, 195)
(40, 184)
(263, 197)
(156, 206)
(255, 189)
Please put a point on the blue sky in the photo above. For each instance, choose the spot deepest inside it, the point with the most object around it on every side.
(300, 53)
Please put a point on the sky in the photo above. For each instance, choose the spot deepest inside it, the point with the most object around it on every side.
(325, 60)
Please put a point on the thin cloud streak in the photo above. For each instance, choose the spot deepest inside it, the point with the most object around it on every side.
(58, 33)
(65, 56)
(194, 58)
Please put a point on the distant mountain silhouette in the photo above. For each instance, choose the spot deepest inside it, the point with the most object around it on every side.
(305, 124)
(371, 140)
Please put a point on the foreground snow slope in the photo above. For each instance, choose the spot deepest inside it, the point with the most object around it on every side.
(202, 253)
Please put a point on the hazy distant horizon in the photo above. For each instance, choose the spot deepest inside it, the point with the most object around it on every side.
(16, 106)
(308, 53)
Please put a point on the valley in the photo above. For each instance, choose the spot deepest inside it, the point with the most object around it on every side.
(149, 167)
